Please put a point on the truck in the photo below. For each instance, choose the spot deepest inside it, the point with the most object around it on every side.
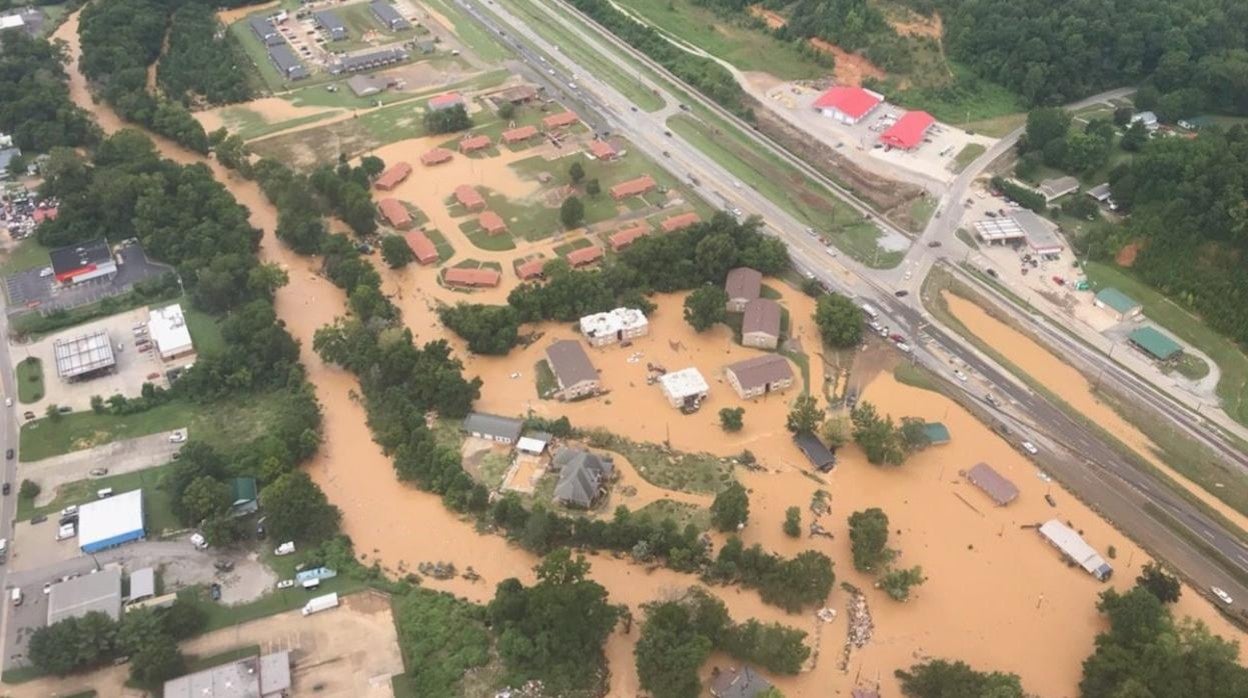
(317, 573)
(320, 603)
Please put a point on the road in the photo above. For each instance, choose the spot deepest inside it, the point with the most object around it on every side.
(1088, 465)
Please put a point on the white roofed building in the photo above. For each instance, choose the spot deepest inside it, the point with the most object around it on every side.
(1075, 549)
(168, 330)
(601, 329)
(112, 521)
(684, 389)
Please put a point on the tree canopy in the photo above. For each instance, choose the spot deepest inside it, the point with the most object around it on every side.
(731, 508)
(868, 535)
(706, 306)
(940, 678)
(35, 107)
(839, 320)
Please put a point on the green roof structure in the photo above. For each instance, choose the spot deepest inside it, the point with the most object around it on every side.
(1117, 300)
(242, 490)
(937, 433)
(1156, 344)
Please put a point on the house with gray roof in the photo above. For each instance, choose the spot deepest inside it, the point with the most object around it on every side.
(760, 325)
(573, 371)
(265, 31)
(504, 430)
(1058, 187)
(759, 375)
(738, 683)
(331, 23)
(388, 16)
(583, 477)
(819, 455)
(287, 62)
(993, 484)
(368, 60)
(743, 285)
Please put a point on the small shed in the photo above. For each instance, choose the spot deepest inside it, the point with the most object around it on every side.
(534, 443)
(936, 432)
(819, 455)
(993, 484)
(685, 389)
(1117, 303)
(142, 584)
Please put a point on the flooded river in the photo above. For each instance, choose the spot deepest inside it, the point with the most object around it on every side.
(997, 597)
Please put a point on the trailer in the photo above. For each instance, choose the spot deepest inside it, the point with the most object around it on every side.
(321, 603)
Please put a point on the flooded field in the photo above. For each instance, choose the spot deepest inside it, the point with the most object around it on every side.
(997, 597)
(1071, 386)
(266, 110)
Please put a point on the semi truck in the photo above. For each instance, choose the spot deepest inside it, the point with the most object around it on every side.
(321, 603)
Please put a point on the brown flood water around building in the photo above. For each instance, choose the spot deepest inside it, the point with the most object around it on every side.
(1071, 386)
(982, 604)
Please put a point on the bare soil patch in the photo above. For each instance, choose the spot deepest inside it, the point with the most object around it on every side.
(1128, 253)
(851, 68)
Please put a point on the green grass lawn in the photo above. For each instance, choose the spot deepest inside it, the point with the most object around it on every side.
(478, 237)
(967, 155)
(921, 210)
(1231, 360)
(445, 251)
(224, 424)
(360, 20)
(468, 31)
(249, 125)
(29, 380)
(157, 501)
(746, 48)
(277, 601)
(969, 102)
(28, 254)
(674, 470)
(544, 379)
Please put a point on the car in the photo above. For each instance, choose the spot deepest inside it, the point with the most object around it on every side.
(285, 584)
(1222, 595)
(69, 510)
(901, 293)
(959, 375)
(991, 272)
(6, 489)
(38, 519)
(896, 337)
(1049, 498)
(98, 472)
(177, 437)
(903, 347)
(1059, 281)
(832, 251)
(45, 272)
(223, 565)
(199, 541)
(934, 243)
(285, 548)
(8, 454)
(1030, 447)
(8, 402)
(47, 587)
(907, 275)
(28, 415)
(215, 590)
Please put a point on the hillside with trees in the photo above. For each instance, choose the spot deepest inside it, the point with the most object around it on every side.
(201, 64)
(34, 100)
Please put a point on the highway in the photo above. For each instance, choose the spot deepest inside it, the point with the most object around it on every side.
(1090, 467)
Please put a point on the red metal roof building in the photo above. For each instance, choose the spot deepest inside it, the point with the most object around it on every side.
(623, 238)
(472, 144)
(471, 277)
(446, 101)
(602, 150)
(680, 222)
(469, 198)
(393, 176)
(437, 156)
(584, 256)
(531, 269)
(424, 249)
(633, 187)
(518, 135)
(492, 223)
(395, 213)
(848, 105)
(909, 130)
(566, 118)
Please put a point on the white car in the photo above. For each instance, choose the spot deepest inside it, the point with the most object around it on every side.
(178, 437)
(8, 402)
(1222, 596)
(286, 584)
(285, 548)
(1030, 447)
(199, 541)
(69, 510)
(960, 375)
(47, 587)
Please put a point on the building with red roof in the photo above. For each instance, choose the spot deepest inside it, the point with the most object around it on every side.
(492, 223)
(680, 222)
(437, 156)
(424, 249)
(472, 144)
(633, 187)
(471, 277)
(395, 213)
(519, 135)
(531, 269)
(561, 119)
(909, 130)
(848, 105)
(446, 101)
(393, 176)
(469, 197)
(623, 238)
(583, 256)
(602, 150)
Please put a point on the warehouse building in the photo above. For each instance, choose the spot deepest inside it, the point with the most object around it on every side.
(332, 24)
(388, 16)
(1152, 342)
(618, 325)
(760, 325)
(909, 131)
(993, 484)
(85, 262)
(1075, 549)
(759, 375)
(286, 62)
(848, 105)
(266, 676)
(1117, 303)
(168, 330)
(684, 389)
(574, 373)
(75, 598)
(110, 522)
(84, 357)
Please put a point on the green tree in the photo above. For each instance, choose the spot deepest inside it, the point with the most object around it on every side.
(593, 188)
(731, 508)
(396, 252)
(28, 490)
(298, 510)
(1134, 138)
(799, 583)
(576, 173)
(882, 442)
(506, 110)
(203, 498)
(732, 418)
(670, 652)
(705, 306)
(839, 320)
(1044, 125)
(837, 431)
(805, 415)
(868, 535)
(571, 212)
(447, 120)
(939, 678)
(914, 434)
(489, 329)
(97, 404)
(897, 583)
(1153, 577)
(53, 412)
(154, 663)
(793, 522)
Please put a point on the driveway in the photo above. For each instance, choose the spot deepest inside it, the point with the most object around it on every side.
(119, 457)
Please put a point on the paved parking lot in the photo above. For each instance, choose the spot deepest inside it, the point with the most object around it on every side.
(119, 457)
(30, 290)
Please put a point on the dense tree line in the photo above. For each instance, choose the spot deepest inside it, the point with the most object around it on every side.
(489, 329)
(678, 636)
(1050, 140)
(882, 440)
(1190, 53)
(441, 637)
(120, 39)
(792, 584)
(447, 120)
(704, 74)
(197, 63)
(939, 678)
(35, 107)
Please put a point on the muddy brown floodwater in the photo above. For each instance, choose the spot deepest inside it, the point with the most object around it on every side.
(1071, 386)
(998, 597)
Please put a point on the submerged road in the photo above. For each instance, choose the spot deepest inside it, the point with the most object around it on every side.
(1088, 466)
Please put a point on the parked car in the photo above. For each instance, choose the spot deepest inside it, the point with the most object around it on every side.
(1030, 447)
(8, 454)
(1222, 595)
(285, 548)
(28, 415)
(7, 489)
(38, 519)
(959, 375)
(901, 293)
(71, 509)
(98, 472)
(215, 590)
(177, 437)
(223, 565)
(199, 541)
(285, 584)
(8, 402)
(1049, 498)
(47, 587)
